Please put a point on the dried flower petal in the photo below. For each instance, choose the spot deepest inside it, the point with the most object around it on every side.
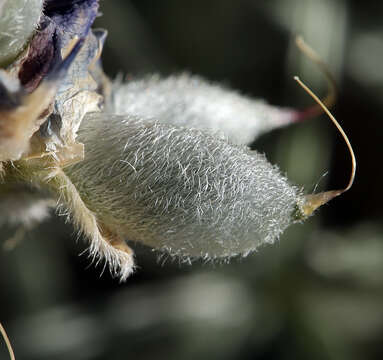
(21, 113)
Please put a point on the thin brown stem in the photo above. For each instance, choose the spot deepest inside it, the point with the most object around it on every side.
(7, 342)
(330, 98)
(313, 201)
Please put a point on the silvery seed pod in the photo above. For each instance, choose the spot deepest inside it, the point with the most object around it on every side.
(180, 190)
(183, 191)
(192, 102)
(18, 22)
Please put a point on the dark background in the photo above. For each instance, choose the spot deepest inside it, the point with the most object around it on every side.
(316, 294)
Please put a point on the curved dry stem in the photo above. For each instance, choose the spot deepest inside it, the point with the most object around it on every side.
(330, 98)
(7, 342)
(313, 201)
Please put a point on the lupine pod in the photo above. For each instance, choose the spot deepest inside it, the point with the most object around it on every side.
(18, 21)
(189, 101)
(184, 191)
(180, 190)
(192, 102)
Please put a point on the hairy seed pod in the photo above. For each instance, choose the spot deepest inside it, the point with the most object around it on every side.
(180, 190)
(190, 101)
(18, 21)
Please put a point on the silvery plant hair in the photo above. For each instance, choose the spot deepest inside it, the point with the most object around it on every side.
(180, 190)
(160, 161)
(190, 101)
(19, 19)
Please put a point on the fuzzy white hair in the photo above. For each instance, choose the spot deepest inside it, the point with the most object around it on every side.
(180, 190)
(190, 101)
(18, 21)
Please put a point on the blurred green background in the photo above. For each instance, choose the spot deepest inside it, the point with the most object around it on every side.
(318, 292)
